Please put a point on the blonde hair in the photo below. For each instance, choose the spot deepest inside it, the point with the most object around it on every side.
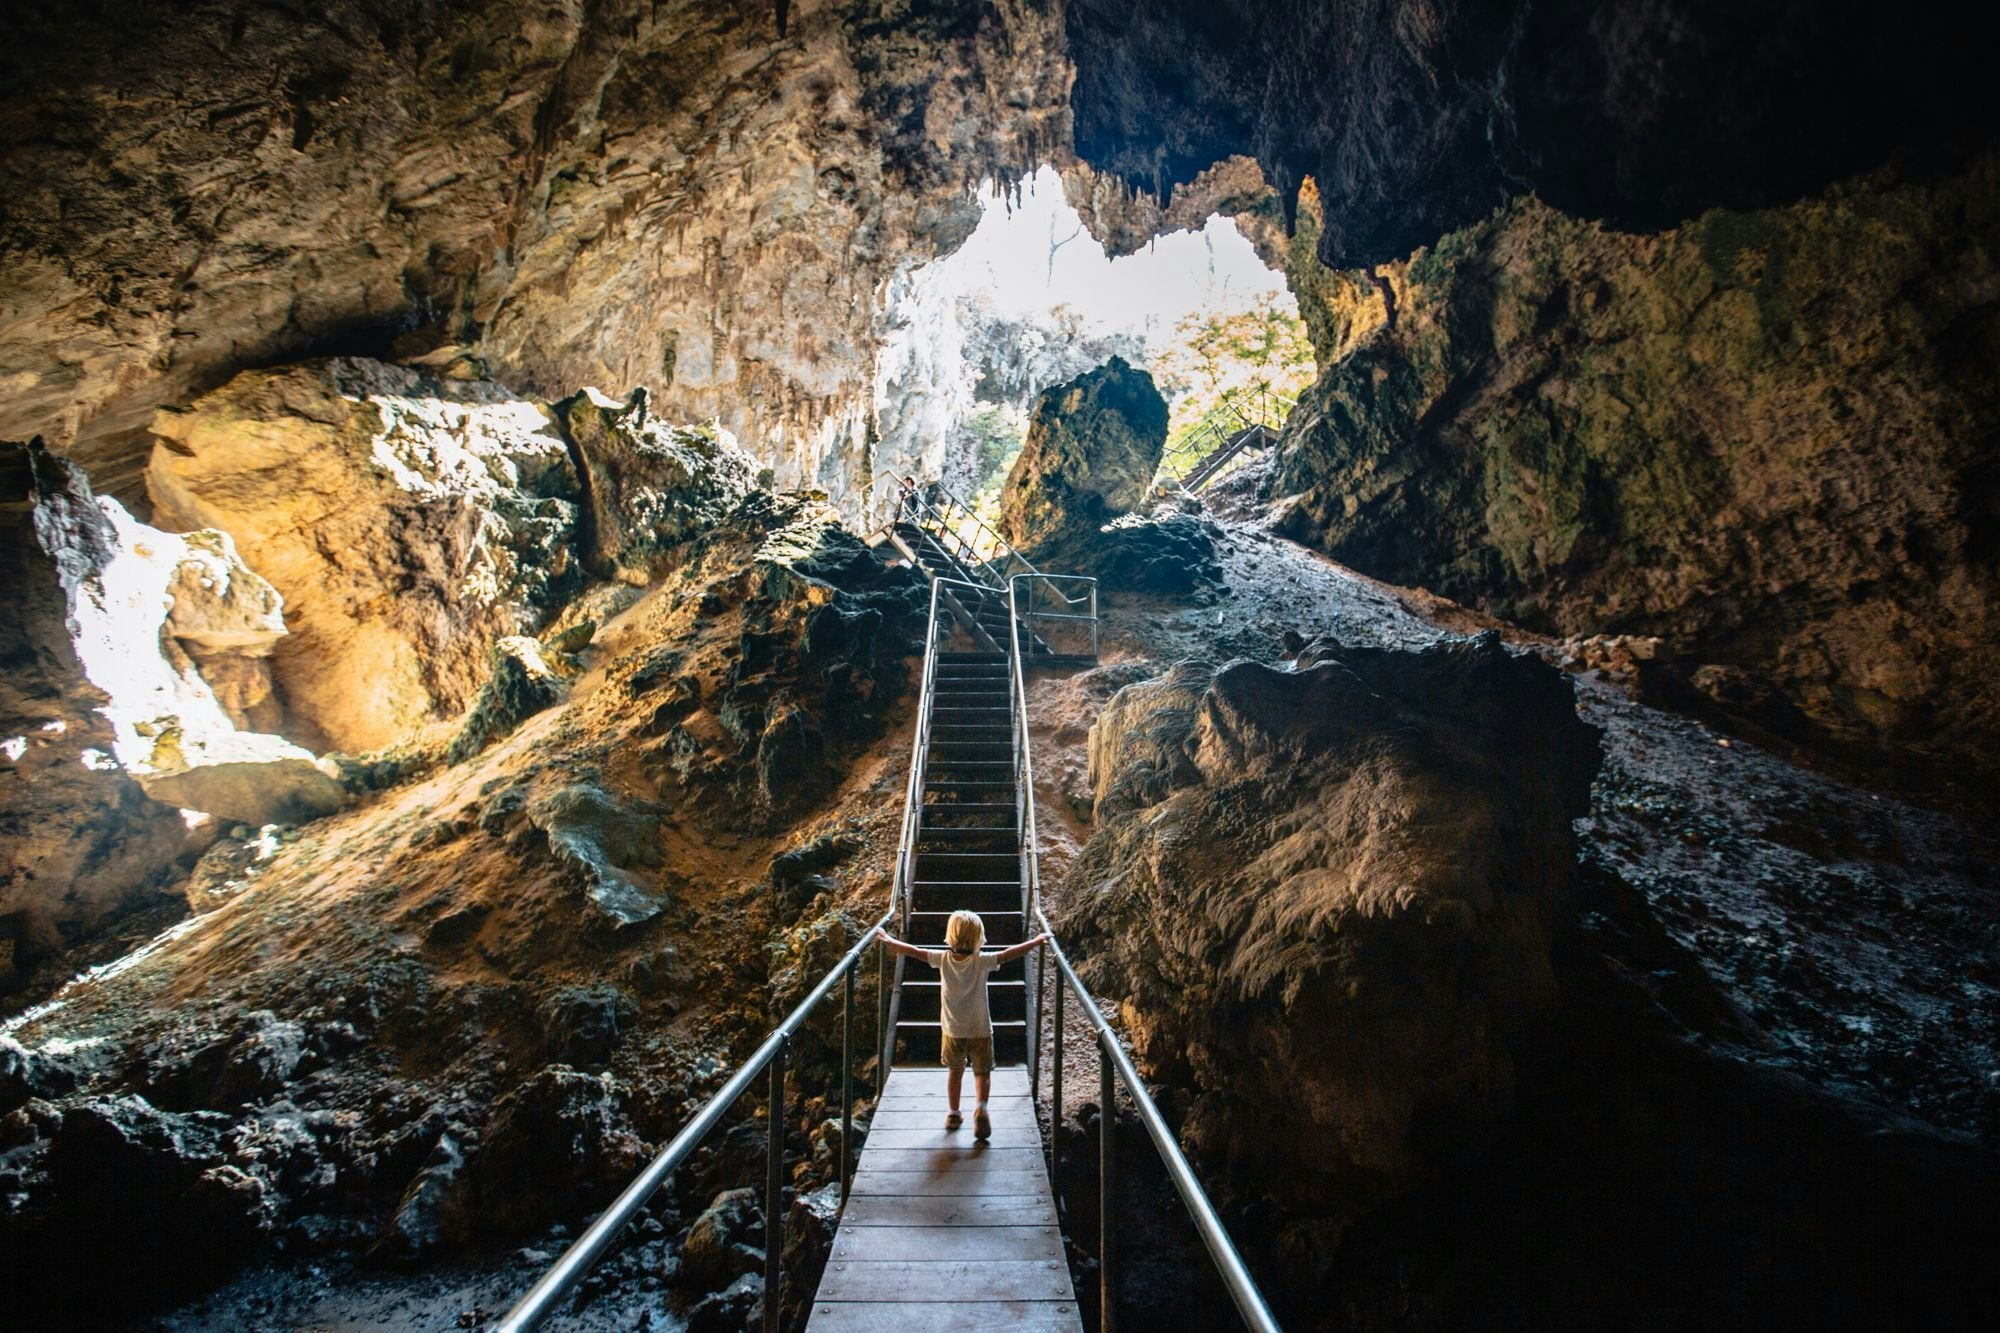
(965, 932)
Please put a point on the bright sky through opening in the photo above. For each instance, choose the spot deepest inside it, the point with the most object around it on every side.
(1212, 271)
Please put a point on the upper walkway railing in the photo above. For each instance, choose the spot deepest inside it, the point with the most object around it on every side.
(1243, 417)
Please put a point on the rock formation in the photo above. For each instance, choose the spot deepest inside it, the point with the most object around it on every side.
(1759, 437)
(1093, 446)
(699, 199)
(408, 521)
(1328, 896)
(1418, 118)
(438, 1020)
(79, 840)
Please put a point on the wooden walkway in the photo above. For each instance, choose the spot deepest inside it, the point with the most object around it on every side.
(941, 1230)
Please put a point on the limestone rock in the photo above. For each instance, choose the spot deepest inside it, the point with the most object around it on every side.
(408, 522)
(687, 199)
(522, 684)
(80, 843)
(650, 486)
(250, 778)
(1093, 446)
(1327, 898)
(1754, 438)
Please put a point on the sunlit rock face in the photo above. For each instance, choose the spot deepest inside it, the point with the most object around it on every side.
(1761, 437)
(475, 1006)
(79, 840)
(1418, 117)
(676, 197)
(1329, 894)
(407, 521)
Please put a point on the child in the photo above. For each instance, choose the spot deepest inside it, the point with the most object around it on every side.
(967, 1024)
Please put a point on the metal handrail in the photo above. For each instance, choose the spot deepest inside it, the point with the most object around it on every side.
(1112, 1060)
(977, 561)
(567, 1271)
(578, 1260)
(1186, 454)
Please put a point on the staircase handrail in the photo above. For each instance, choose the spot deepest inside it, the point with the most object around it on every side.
(999, 549)
(580, 1257)
(1253, 406)
(1112, 1060)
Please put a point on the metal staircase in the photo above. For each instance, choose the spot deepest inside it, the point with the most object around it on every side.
(971, 1229)
(1246, 419)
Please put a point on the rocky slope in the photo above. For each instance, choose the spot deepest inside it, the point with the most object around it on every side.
(373, 1038)
(1761, 438)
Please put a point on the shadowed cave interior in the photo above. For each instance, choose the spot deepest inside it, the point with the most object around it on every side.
(1527, 814)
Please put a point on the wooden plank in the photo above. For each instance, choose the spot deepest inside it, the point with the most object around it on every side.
(908, 1281)
(966, 1160)
(916, 1316)
(1006, 1116)
(979, 1210)
(935, 1244)
(912, 1078)
(949, 1182)
(934, 1135)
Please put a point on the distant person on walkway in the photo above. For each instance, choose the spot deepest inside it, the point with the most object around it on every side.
(967, 1022)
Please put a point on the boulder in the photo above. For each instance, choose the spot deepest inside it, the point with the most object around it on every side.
(725, 1241)
(1326, 899)
(650, 486)
(227, 618)
(557, 1146)
(602, 839)
(1092, 449)
(408, 522)
(250, 778)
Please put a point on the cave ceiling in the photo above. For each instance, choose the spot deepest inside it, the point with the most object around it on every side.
(704, 198)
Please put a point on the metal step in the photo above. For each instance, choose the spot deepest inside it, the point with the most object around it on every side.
(1002, 928)
(980, 898)
(1004, 1000)
(919, 1043)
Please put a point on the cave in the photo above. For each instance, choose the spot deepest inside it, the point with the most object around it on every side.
(1445, 553)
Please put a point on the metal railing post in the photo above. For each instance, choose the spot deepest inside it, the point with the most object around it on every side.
(1107, 1117)
(774, 1190)
(1055, 1069)
(846, 1084)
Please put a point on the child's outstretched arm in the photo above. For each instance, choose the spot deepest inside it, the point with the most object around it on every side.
(1022, 949)
(894, 945)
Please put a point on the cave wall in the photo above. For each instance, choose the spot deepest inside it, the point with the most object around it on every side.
(1764, 437)
(678, 197)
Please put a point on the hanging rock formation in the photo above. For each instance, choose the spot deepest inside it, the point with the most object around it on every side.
(681, 198)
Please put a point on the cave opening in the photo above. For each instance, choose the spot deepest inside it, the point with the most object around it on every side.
(1032, 299)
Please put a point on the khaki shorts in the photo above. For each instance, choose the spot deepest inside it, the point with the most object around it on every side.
(959, 1050)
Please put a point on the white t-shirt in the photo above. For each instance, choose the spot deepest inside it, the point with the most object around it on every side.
(962, 998)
